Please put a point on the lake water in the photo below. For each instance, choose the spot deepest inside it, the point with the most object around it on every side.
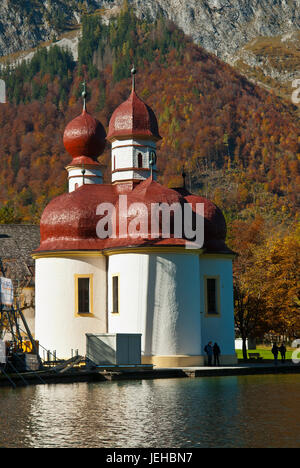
(244, 411)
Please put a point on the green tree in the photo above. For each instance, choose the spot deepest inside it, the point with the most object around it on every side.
(9, 215)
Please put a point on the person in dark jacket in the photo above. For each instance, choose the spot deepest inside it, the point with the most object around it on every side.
(282, 350)
(274, 351)
(217, 352)
(209, 351)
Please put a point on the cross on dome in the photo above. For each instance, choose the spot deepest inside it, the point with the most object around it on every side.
(133, 73)
(84, 136)
(84, 94)
(133, 118)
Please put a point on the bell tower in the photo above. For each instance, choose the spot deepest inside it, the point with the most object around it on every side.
(133, 133)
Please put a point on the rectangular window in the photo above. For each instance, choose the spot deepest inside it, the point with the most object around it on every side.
(115, 294)
(83, 294)
(212, 296)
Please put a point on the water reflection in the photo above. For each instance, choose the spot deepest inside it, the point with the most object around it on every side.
(254, 411)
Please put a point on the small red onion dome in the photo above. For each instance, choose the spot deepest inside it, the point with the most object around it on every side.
(84, 136)
(133, 118)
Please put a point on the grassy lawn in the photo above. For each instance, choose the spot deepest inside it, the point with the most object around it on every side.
(265, 353)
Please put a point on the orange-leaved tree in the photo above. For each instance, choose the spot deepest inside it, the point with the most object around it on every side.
(279, 266)
(249, 303)
(266, 280)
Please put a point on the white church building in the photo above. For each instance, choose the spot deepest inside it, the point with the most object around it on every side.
(178, 296)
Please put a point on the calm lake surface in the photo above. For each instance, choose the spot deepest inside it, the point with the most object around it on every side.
(245, 411)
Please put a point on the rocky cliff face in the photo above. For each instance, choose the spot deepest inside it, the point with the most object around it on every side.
(259, 37)
(223, 26)
(226, 25)
(220, 26)
(24, 24)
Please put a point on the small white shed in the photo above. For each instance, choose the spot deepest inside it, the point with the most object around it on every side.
(114, 348)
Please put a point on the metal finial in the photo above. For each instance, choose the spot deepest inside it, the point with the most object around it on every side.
(152, 161)
(84, 94)
(151, 167)
(83, 172)
(133, 73)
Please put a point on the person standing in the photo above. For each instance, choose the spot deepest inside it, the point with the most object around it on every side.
(209, 351)
(282, 351)
(274, 351)
(217, 352)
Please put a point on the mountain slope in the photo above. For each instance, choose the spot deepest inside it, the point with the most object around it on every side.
(239, 144)
(24, 24)
(272, 62)
(220, 26)
(260, 38)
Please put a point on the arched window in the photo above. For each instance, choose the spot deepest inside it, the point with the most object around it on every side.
(140, 160)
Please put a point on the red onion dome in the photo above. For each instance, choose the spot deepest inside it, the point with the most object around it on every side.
(133, 118)
(84, 136)
(69, 221)
(147, 193)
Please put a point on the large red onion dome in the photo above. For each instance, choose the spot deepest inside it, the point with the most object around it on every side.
(84, 136)
(133, 118)
(144, 196)
(69, 221)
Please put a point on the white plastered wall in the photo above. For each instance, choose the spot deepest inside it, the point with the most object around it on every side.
(57, 327)
(219, 328)
(159, 298)
(91, 176)
(125, 155)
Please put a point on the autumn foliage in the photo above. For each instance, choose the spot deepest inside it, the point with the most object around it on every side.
(266, 280)
(239, 144)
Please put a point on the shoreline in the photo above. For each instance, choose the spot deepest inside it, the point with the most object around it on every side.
(117, 373)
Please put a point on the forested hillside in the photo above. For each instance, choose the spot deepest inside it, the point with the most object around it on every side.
(238, 143)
